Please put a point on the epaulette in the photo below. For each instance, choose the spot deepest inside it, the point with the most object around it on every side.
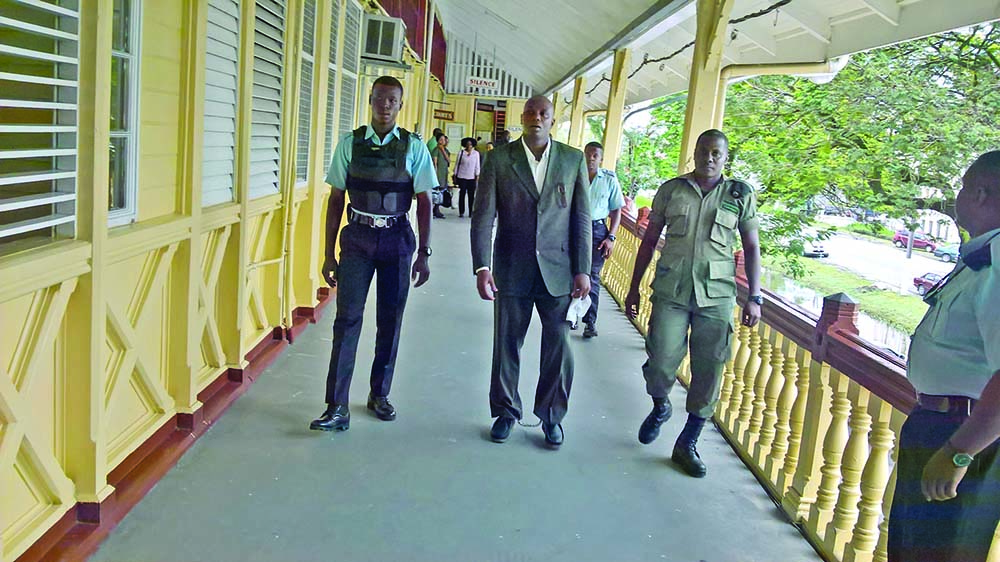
(738, 189)
(981, 258)
(416, 134)
(610, 173)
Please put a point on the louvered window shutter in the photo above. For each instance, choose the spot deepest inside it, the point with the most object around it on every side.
(221, 63)
(38, 119)
(305, 91)
(351, 63)
(265, 123)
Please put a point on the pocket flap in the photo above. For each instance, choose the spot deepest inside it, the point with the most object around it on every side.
(727, 219)
(722, 269)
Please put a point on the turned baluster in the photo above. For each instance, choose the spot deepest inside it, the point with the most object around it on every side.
(749, 376)
(833, 452)
(772, 391)
(845, 514)
(873, 486)
(760, 386)
(782, 425)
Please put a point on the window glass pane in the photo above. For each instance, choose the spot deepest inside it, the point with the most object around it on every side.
(118, 171)
(119, 93)
(120, 26)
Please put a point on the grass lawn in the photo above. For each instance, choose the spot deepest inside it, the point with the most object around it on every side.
(899, 311)
(643, 201)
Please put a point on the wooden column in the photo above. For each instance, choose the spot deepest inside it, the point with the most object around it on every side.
(706, 66)
(576, 122)
(616, 109)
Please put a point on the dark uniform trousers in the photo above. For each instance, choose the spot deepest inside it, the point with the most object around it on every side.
(957, 530)
(512, 314)
(596, 264)
(466, 188)
(365, 251)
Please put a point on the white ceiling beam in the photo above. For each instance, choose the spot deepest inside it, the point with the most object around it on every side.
(758, 35)
(886, 9)
(814, 23)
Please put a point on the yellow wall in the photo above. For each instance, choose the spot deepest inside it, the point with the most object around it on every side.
(105, 338)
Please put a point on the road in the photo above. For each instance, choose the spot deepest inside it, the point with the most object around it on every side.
(882, 263)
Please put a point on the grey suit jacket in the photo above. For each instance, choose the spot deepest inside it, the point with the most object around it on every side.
(552, 229)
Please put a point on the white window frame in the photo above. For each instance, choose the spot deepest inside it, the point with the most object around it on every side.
(63, 176)
(305, 96)
(127, 214)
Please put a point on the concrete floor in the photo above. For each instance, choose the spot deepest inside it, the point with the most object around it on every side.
(260, 486)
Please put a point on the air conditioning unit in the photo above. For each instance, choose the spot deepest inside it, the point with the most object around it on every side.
(383, 39)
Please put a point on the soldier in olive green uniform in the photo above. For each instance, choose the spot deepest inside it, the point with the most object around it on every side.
(695, 288)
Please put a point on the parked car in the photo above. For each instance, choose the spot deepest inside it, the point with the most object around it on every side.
(947, 253)
(920, 241)
(812, 245)
(925, 282)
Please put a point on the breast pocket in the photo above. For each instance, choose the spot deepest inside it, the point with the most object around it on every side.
(722, 229)
(677, 221)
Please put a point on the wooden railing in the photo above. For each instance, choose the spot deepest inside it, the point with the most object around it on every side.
(812, 409)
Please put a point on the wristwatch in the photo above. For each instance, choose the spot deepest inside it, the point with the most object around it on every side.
(756, 298)
(612, 237)
(958, 458)
(425, 250)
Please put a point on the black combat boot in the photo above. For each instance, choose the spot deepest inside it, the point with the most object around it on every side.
(685, 454)
(650, 428)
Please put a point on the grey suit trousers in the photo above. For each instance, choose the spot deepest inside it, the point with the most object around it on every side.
(512, 314)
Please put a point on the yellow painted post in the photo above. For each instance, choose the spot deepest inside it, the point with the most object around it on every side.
(576, 117)
(425, 122)
(291, 72)
(557, 111)
(184, 328)
(86, 440)
(616, 109)
(306, 268)
(235, 348)
(706, 66)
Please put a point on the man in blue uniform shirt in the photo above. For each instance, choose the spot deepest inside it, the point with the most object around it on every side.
(947, 500)
(381, 167)
(606, 202)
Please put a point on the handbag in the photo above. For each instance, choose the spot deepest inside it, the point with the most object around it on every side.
(454, 177)
(446, 198)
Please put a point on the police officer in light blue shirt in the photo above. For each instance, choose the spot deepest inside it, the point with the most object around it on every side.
(381, 167)
(606, 202)
(947, 499)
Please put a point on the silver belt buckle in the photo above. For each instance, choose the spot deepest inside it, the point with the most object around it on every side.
(381, 222)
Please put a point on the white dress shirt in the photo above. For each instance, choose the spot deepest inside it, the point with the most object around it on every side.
(538, 167)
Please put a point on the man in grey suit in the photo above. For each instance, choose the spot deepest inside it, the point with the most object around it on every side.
(536, 190)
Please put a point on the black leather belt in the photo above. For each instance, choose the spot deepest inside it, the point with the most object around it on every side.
(599, 221)
(947, 404)
(376, 222)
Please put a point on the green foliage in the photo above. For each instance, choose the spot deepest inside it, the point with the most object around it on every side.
(892, 133)
(870, 229)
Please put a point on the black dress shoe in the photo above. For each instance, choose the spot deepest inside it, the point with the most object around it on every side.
(336, 417)
(501, 428)
(553, 433)
(590, 331)
(382, 408)
(650, 428)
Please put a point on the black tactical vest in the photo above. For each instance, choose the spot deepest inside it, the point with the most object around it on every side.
(377, 180)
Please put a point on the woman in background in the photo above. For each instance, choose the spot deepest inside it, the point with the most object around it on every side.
(467, 174)
(442, 159)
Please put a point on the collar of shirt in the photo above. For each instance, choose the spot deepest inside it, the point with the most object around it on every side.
(538, 167)
(694, 183)
(978, 242)
(370, 132)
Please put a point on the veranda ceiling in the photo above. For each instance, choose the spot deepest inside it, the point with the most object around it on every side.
(547, 43)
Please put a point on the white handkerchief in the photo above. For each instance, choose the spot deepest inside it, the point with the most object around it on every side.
(577, 308)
